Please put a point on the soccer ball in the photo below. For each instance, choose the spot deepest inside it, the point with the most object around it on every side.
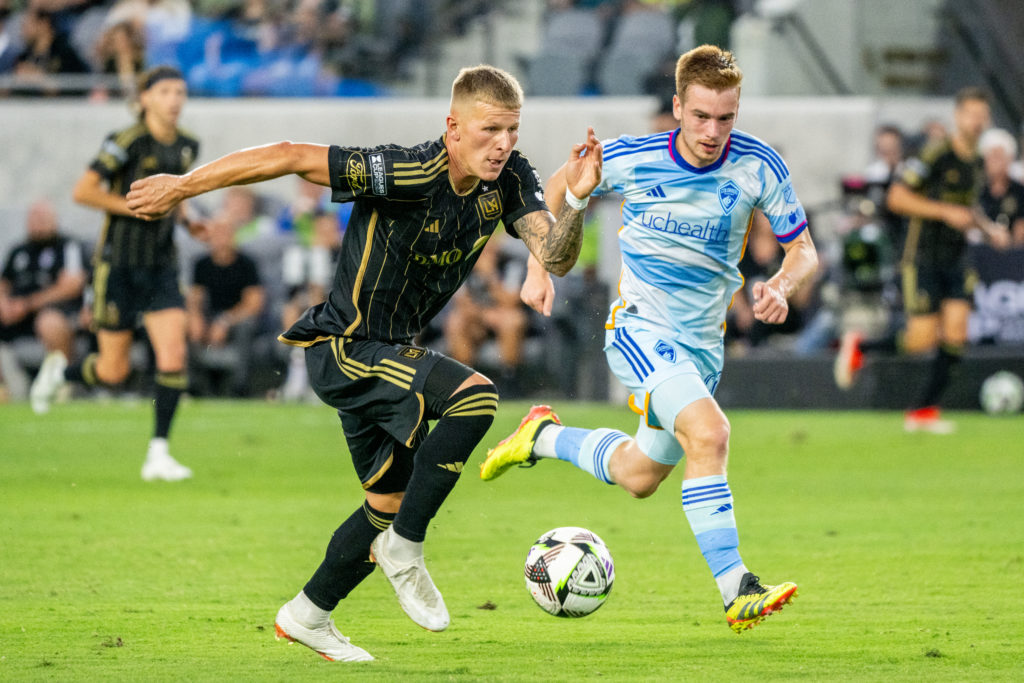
(1002, 393)
(569, 572)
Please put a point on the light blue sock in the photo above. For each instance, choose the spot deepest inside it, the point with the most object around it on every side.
(589, 449)
(707, 502)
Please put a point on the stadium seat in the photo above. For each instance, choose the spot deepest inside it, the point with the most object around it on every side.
(553, 75)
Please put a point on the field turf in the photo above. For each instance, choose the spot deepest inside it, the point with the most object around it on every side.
(909, 552)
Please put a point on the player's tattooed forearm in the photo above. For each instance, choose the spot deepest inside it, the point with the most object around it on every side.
(556, 245)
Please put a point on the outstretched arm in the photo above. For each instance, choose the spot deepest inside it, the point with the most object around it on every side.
(152, 197)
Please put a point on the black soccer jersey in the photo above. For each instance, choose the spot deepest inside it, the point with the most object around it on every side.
(411, 240)
(36, 265)
(941, 175)
(1007, 209)
(126, 156)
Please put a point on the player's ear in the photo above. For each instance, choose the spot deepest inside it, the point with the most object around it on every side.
(452, 127)
(677, 108)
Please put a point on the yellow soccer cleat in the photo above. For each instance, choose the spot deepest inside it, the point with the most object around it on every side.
(755, 602)
(517, 449)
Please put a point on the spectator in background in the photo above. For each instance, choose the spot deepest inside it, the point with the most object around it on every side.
(224, 304)
(663, 119)
(1002, 199)
(121, 52)
(1017, 167)
(41, 286)
(47, 53)
(161, 20)
(932, 132)
(10, 37)
(879, 175)
(308, 264)
(888, 155)
(762, 259)
(488, 304)
(241, 208)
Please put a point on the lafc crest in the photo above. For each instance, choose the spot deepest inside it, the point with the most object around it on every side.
(489, 205)
(411, 352)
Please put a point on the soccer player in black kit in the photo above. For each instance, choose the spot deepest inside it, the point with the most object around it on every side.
(135, 276)
(938, 192)
(421, 215)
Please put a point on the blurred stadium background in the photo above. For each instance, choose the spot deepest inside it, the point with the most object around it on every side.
(820, 77)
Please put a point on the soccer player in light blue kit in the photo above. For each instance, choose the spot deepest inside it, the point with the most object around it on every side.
(690, 195)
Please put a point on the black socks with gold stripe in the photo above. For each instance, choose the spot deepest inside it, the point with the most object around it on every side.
(465, 419)
(347, 561)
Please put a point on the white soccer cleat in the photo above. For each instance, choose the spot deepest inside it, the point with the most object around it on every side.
(49, 380)
(327, 641)
(161, 466)
(416, 592)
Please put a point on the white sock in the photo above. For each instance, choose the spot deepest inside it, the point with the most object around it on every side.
(157, 448)
(729, 583)
(402, 549)
(544, 446)
(306, 613)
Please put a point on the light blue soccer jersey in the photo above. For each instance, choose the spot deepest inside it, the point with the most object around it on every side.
(685, 228)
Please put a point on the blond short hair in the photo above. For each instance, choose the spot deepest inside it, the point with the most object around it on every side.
(487, 84)
(709, 66)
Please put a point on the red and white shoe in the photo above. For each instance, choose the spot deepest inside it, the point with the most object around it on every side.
(849, 361)
(927, 419)
(327, 641)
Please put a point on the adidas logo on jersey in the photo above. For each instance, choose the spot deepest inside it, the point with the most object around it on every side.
(455, 467)
(434, 227)
(656, 192)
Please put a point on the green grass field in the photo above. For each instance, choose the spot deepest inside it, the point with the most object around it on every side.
(908, 549)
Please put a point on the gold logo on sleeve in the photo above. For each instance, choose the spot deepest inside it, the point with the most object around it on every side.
(355, 173)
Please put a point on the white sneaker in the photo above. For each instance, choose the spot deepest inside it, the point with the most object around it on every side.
(160, 465)
(327, 641)
(416, 592)
(48, 382)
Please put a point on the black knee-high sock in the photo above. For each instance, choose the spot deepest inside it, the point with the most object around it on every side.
(169, 386)
(939, 372)
(84, 372)
(465, 418)
(347, 561)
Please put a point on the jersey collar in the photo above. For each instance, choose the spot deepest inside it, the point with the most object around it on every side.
(686, 166)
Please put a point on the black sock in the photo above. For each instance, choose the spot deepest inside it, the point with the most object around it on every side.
(84, 372)
(169, 386)
(439, 460)
(887, 344)
(347, 561)
(939, 372)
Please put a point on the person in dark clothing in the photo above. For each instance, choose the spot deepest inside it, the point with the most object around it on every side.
(421, 216)
(135, 277)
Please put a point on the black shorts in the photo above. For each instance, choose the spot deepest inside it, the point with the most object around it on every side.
(23, 328)
(124, 294)
(926, 284)
(384, 394)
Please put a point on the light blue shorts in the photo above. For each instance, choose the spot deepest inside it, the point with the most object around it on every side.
(663, 376)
